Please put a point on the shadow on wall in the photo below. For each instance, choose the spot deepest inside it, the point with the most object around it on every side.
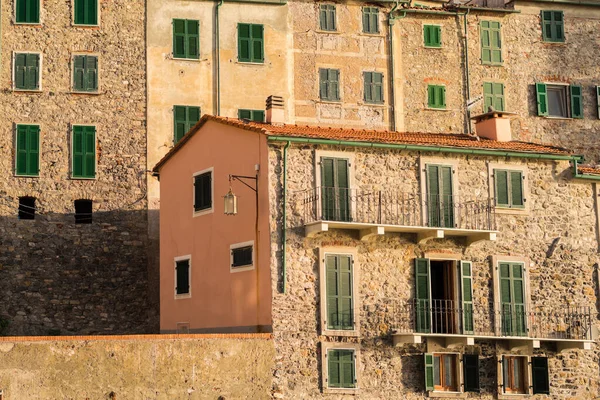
(59, 277)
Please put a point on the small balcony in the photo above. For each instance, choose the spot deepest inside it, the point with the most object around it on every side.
(410, 321)
(375, 212)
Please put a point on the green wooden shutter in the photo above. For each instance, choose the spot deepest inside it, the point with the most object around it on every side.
(79, 11)
(501, 181)
(433, 195)
(505, 299)
(32, 71)
(378, 87)
(341, 369)
(370, 19)
(498, 96)
(79, 73)
(347, 359)
(78, 151)
(323, 94)
(180, 116)
(471, 372)
(576, 101)
(85, 73)
(342, 190)
(92, 12)
(339, 292)
(258, 116)
(27, 151)
(333, 369)
(327, 17)
(20, 62)
(539, 375)
(21, 157)
(245, 114)
(84, 152)
(512, 297)
(179, 26)
(440, 202)
(428, 359)
(491, 42)
(193, 39)
(486, 42)
(598, 100)
(327, 188)
(183, 277)
(368, 86)
(542, 99)
(559, 31)
(86, 12)
(518, 288)
(467, 296)
(422, 296)
(27, 11)
(333, 83)
(193, 117)
(244, 42)
(493, 95)
(432, 35)
(552, 26)
(516, 189)
(258, 43)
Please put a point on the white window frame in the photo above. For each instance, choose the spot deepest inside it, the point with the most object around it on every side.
(237, 246)
(492, 187)
(188, 295)
(496, 260)
(317, 167)
(85, 25)
(15, 150)
(502, 395)
(565, 87)
(14, 71)
(423, 162)
(71, 126)
(71, 83)
(212, 192)
(325, 348)
(14, 21)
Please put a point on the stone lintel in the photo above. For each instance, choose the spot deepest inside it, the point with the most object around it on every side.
(365, 234)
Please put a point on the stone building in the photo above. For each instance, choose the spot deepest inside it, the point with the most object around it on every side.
(73, 151)
(402, 265)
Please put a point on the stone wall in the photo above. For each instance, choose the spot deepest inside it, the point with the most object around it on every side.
(137, 367)
(561, 274)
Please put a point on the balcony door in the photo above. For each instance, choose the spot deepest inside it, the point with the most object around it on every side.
(512, 299)
(439, 201)
(335, 189)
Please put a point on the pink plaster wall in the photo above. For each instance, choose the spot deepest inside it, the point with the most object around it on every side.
(219, 298)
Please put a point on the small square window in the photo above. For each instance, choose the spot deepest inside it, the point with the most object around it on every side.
(185, 117)
(27, 207)
(182, 276)
(85, 73)
(186, 38)
(203, 191)
(327, 17)
(371, 20)
(509, 188)
(432, 35)
(373, 87)
(27, 71)
(86, 12)
(242, 256)
(27, 11)
(83, 211)
(251, 46)
(436, 97)
(341, 369)
(252, 115)
(329, 84)
(553, 26)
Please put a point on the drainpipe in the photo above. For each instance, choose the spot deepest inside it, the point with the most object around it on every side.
(391, 21)
(284, 234)
(467, 80)
(218, 56)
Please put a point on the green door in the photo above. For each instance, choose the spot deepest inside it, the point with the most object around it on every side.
(512, 299)
(467, 297)
(440, 204)
(335, 189)
(422, 296)
(339, 292)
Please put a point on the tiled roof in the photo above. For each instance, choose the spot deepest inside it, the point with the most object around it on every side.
(588, 169)
(444, 140)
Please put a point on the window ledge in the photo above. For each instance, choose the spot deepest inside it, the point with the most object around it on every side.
(15, 90)
(233, 270)
(493, 64)
(377, 105)
(448, 395)
(79, 178)
(203, 212)
(335, 102)
(515, 211)
(341, 390)
(183, 296)
(433, 47)
(560, 118)
(196, 60)
(336, 32)
(26, 176)
(436, 109)
(506, 396)
(33, 24)
(554, 43)
(345, 333)
(85, 26)
(86, 93)
(250, 63)
(377, 34)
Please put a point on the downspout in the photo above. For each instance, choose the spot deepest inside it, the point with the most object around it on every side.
(284, 234)
(391, 21)
(467, 79)
(218, 56)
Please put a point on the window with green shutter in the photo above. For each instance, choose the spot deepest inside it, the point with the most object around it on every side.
(27, 157)
(493, 96)
(27, 12)
(341, 369)
(370, 20)
(422, 295)
(373, 87)
(514, 374)
(340, 296)
(491, 43)
(252, 115)
(436, 96)
(466, 283)
(335, 189)
(559, 101)
(509, 188)
(86, 12)
(185, 117)
(539, 375)
(429, 373)
(327, 17)
(471, 372)
(27, 71)
(84, 152)
(512, 299)
(85, 73)
(553, 29)
(251, 43)
(576, 101)
(440, 200)
(182, 277)
(329, 84)
(432, 35)
(186, 39)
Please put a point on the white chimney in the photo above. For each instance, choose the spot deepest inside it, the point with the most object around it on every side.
(494, 125)
(275, 110)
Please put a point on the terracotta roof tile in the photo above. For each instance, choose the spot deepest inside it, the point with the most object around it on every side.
(588, 169)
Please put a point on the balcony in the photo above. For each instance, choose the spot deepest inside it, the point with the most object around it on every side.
(375, 212)
(448, 322)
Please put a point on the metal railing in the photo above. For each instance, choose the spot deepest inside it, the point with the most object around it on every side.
(393, 207)
(506, 320)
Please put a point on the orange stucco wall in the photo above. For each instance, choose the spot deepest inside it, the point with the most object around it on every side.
(220, 300)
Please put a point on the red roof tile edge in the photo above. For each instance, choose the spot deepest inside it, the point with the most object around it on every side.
(588, 169)
(262, 336)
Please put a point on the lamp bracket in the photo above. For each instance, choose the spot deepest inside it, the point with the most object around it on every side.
(241, 177)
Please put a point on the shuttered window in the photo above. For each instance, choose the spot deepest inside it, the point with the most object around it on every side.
(27, 71)
(27, 12)
(329, 84)
(466, 281)
(242, 256)
(576, 101)
(341, 369)
(559, 100)
(512, 299)
(327, 17)
(185, 117)
(553, 29)
(84, 152)
(471, 372)
(436, 96)
(86, 12)
(370, 20)
(203, 191)
(440, 199)
(182, 277)
(27, 157)
(493, 96)
(539, 375)
(85, 73)
(509, 188)
(252, 115)
(422, 296)
(513, 374)
(491, 43)
(186, 39)
(432, 35)
(335, 189)
(251, 43)
(373, 87)
(429, 371)
(340, 312)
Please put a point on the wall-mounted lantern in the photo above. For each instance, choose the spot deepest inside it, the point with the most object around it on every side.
(230, 199)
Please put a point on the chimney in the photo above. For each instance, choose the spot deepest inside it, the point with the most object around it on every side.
(494, 125)
(275, 111)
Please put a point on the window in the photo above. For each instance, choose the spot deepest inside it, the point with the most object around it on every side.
(26, 207)
(436, 97)
(370, 20)
(83, 211)
(84, 152)
(186, 39)
(539, 375)
(242, 256)
(335, 189)
(553, 26)
(327, 17)
(86, 12)
(513, 311)
(432, 35)
(515, 378)
(373, 87)
(514, 374)
(559, 101)
(441, 372)
(27, 71)
(329, 84)
(339, 289)
(252, 115)
(491, 43)
(440, 195)
(203, 191)
(493, 96)
(27, 157)
(341, 369)
(251, 43)
(27, 12)
(182, 277)
(509, 188)
(471, 372)
(185, 118)
(85, 73)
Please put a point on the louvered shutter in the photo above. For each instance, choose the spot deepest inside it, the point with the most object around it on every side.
(447, 197)
(179, 113)
(368, 84)
(539, 375)
(422, 295)
(32, 71)
(598, 100)
(89, 137)
(244, 42)
(428, 359)
(78, 151)
(576, 101)
(501, 181)
(347, 368)
(192, 39)
(183, 277)
(179, 38)
(79, 73)
(471, 372)
(327, 188)
(92, 12)
(334, 87)
(342, 185)
(516, 189)
(22, 156)
(378, 87)
(506, 299)
(20, 65)
(258, 116)
(258, 43)
(467, 296)
(518, 288)
(542, 99)
(33, 150)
